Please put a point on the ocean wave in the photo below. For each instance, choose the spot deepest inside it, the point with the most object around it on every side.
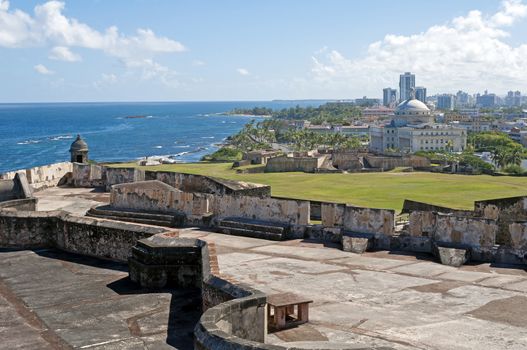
(184, 146)
(179, 154)
(62, 137)
(158, 146)
(28, 142)
(207, 137)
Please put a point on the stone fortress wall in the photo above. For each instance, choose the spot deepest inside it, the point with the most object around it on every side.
(234, 314)
(234, 317)
(42, 176)
(493, 231)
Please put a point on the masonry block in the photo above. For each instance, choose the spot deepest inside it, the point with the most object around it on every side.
(453, 256)
(356, 242)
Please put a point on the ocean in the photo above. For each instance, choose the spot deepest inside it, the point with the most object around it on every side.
(41, 133)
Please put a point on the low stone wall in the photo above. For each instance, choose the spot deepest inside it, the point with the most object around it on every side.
(357, 219)
(347, 161)
(291, 211)
(518, 232)
(42, 176)
(206, 184)
(410, 206)
(388, 163)
(26, 204)
(116, 176)
(101, 238)
(290, 164)
(156, 196)
(472, 232)
(505, 211)
(88, 175)
(422, 223)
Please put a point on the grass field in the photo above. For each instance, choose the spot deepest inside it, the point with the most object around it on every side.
(379, 190)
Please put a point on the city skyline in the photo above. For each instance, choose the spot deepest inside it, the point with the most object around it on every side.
(160, 51)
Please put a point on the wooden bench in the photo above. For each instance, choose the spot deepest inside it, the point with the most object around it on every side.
(283, 306)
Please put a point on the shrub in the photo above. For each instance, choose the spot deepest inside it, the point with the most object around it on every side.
(514, 170)
(227, 154)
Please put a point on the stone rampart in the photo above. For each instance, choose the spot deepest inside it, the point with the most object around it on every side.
(518, 233)
(505, 211)
(156, 196)
(358, 219)
(88, 175)
(291, 211)
(388, 163)
(206, 184)
(101, 238)
(470, 231)
(410, 206)
(25, 204)
(347, 161)
(116, 176)
(42, 176)
(290, 164)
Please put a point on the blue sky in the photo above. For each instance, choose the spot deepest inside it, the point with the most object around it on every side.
(138, 50)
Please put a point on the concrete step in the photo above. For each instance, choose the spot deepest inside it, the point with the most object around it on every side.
(132, 219)
(137, 217)
(255, 225)
(235, 231)
(129, 213)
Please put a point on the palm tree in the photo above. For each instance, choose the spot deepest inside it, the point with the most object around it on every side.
(498, 156)
(513, 156)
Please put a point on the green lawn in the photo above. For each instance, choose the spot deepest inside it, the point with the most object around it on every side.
(379, 190)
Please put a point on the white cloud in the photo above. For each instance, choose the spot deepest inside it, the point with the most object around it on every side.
(42, 69)
(242, 71)
(198, 63)
(469, 52)
(62, 53)
(48, 26)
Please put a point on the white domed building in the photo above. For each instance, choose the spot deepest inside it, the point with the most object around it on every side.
(413, 129)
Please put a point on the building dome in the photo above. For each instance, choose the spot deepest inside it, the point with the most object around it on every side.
(412, 107)
(79, 145)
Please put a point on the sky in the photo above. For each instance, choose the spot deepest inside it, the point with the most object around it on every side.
(167, 50)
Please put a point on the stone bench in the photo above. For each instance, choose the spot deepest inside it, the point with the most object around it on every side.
(274, 231)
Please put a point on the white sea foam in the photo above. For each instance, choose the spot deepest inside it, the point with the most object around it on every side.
(158, 147)
(62, 137)
(28, 142)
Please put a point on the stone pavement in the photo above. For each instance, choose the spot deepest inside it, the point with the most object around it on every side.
(56, 300)
(74, 200)
(382, 298)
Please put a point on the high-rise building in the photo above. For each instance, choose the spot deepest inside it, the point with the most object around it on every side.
(389, 97)
(462, 99)
(420, 93)
(486, 100)
(406, 84)
(445, 102)
(513, 99)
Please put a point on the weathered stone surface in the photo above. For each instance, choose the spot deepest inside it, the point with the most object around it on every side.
(290, 211)
(518, 234)
(471, 231)
(421, 223)
(42, 176)
(356, 242)
(505, 211)
(453, 256)
(369, 220)
(288, 164)
(57, 300)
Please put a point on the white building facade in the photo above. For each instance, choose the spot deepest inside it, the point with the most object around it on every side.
(413, 129)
